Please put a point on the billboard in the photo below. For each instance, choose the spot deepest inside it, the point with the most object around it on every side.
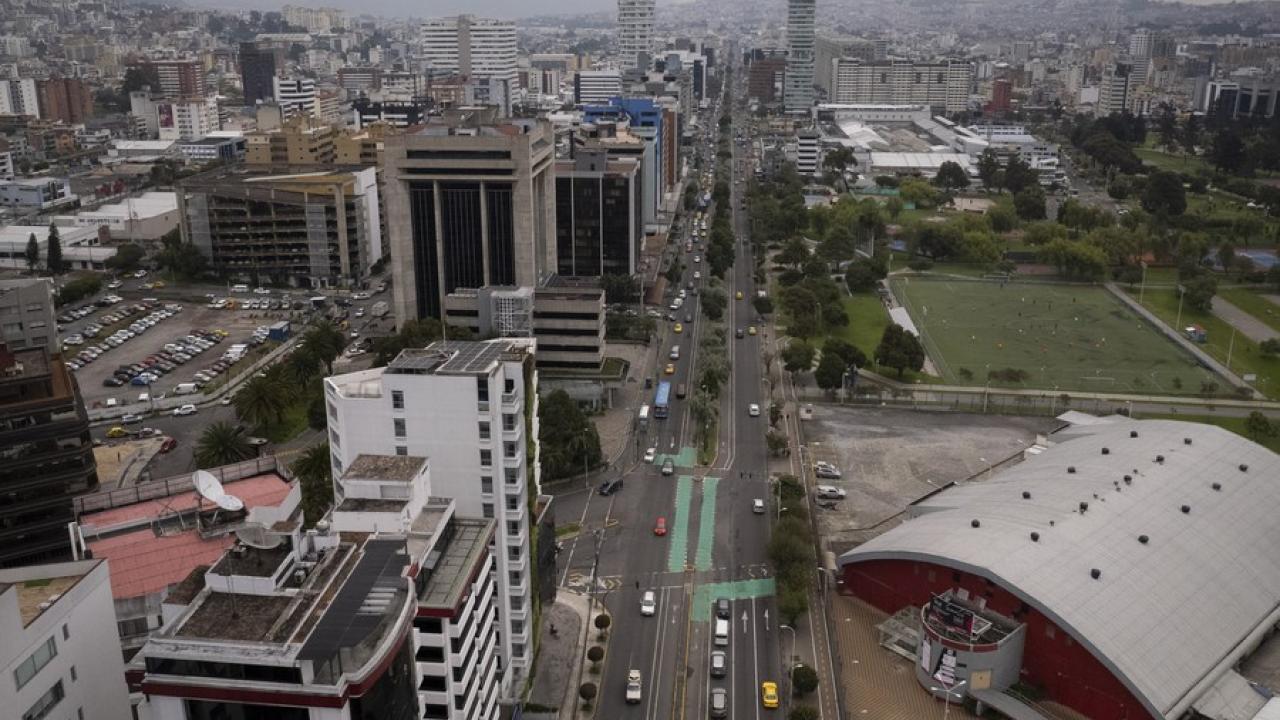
(952, 615)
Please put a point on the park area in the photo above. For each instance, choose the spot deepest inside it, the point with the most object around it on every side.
(1044, 336)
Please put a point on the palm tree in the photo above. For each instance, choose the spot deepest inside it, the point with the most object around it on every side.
(325, 342)
(314, 472)
(262, 400)
(302, 365)
(222, 444)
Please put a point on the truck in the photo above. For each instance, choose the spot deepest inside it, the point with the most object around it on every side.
(278, 331)
(380, 309)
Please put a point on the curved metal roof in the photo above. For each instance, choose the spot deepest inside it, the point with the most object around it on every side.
(1165, 616)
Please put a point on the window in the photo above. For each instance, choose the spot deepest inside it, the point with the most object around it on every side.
(512, 475)
(513, 528)
(509, 422)
(397, 399)
(398, 425)
(513, 502)
(482, 389)
(73, 673)
(46, 703)
(333, 438)
(428, 625)
(484, 429)
(66, 632)
(486, 458)
(517, 603)
(514, 577)
(402, 450)
(517, 650)
(333, 411)
(517, 627)
(487, 509)
(486, 484)
(508, 449)
(508, 386)
(34, 662)
(513, 553)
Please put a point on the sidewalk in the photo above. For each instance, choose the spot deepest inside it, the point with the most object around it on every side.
(560, 656)
(1248, 325)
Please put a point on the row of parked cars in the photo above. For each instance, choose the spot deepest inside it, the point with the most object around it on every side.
(119, 337)
(174, 354)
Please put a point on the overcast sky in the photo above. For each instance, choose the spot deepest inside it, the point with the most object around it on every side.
(432, 8)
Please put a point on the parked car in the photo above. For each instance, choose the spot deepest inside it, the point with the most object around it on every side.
(187, 409)
(830, 492)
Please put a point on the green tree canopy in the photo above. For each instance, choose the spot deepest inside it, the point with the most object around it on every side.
(900, 350)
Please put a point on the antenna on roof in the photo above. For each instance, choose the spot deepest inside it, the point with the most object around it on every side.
(211, 489)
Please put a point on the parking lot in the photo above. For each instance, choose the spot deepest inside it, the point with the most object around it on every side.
(889, 458)
(238, 324)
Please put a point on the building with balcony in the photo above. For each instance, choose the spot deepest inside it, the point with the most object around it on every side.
(310, 229)
(1126, 571)
(59, 657)
(470, 408)
(47, 455)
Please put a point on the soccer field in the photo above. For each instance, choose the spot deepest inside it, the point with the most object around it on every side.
(1065, 337)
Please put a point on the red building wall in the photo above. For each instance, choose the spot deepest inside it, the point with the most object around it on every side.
(1052, 660)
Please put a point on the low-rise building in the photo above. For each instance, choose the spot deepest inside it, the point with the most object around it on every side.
(149, 216)
(298, 141)
(36, 193)
(567, 320)
(82, 247)
(214, 148)
(59, 657)
(311, 228)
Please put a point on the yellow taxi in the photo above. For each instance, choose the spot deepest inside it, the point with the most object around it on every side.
(117, 432)
(158, 284)
(670, 369)
(751, 329)
(769, 694)
(678, 329)
(738, 295)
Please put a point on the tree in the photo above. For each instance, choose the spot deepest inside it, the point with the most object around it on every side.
(620, 288)
(1164, 193)
(139, 77)
(1189, 138)
(951, 176)
(53, 252)
(1003, 217)
(314, 472)
(1029, 203)
(222, 444)
(776, 442)
(588, 693)
(412, 334)
(1228, 151)
(33, 253)
(900, 350)
(803, 712)
(847, 351)
(127, 258)
(262, 400)
(797, 356)
(830, 372)
(989, 169)
(1270, 347)
(804, 679)
(325, 342)
(1199, 293)
(794, 253)
(714, 300)
(602, 622)
(570, 442)
(1018, 175)
(1259, 426)
(792, 604)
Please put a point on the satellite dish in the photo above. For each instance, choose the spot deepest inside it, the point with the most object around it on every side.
(255, 535)
(210, 489)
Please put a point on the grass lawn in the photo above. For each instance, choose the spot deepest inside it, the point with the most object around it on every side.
(1245, 357)
(1062, 337)
(867, 321)
(293, 423)
(1254, 304)
(1234, 424)
(1190, 164)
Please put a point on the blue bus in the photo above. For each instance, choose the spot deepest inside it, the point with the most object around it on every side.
(662, 400)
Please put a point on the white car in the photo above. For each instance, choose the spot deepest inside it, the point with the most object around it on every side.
(830, 492)
(633, 686)
(697, 258)
(757, 506)
(648, 604)
(187, 409)
(651, 454)
(697, 274)
(753, 410)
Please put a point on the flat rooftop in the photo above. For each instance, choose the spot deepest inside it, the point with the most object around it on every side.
(33, 593)
(401, 468)
(452, 570)
(450, 357)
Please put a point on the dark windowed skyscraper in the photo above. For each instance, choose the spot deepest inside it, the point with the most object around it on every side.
(599, 230)
(257, 69)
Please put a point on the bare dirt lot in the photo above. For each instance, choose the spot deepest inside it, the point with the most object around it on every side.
(239, 323)
(890, 458)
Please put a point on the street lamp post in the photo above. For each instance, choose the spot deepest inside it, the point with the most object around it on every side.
(789, 659)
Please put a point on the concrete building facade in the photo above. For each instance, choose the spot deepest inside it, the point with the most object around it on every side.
(944, 86)
(635, 33)
(798, 93)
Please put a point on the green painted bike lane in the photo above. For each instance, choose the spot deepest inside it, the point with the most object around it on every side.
(706, 524)
(704, 595)
(678, 551)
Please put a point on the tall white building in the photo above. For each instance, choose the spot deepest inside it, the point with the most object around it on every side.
(592, 87)
(635, 33)
(59, 651)
(943, 86)
(797, 95)
(462, 406)
(296, 95)
(19, 97)
(1116, 90)
(481, 50)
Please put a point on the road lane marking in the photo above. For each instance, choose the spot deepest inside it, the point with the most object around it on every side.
(755, 655)
(706, 524)
(678, 550)
(705, 595)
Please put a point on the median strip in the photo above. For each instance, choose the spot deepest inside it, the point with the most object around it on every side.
(678, 551)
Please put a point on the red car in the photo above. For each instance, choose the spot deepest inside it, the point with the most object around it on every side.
(661, 527)
(168, 444)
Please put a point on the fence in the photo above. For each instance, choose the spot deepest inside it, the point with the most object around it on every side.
(173, 485)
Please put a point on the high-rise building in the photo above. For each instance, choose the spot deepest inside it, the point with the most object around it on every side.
(60, 643)
(470, 409)
(310, 230)
(470, 202)
(1242, 97)
(943, 86)
(807, 152)
(48, 455)
(481, 50)
(65, 99)
(19, 97)
(1001, 96)
(827, 49)
(258, 67)
(798, 95)
(599, 228)
(26, 313)
(179, 79)
(766, 77)
(296, 96)
(635, 33)
(596, 86)
(1116, 90)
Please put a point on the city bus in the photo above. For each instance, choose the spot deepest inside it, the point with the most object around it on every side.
(662, 400)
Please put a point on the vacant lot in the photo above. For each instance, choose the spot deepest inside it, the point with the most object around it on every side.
(1043, 336)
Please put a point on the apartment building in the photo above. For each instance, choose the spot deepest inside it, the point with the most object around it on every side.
(308, 229)
(179, 79)
(599, 226)
(20, 97)
(47, 451)
(596, 86)
(943, 86)
(26, 313)
(567, 318)
(36, 193)
(635, 33)
(469, 203)
(481, 50)
(65, 99)
(1117, 90)
(60, 657)
(470, 408)
(299, 140)
(296, 95)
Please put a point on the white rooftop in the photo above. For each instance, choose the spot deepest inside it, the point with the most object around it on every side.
(929, 161)
(147, 205)
(1168, 616)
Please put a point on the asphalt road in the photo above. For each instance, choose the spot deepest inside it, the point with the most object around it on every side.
(715, 545)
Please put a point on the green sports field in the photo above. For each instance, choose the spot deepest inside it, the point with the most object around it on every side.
(1071, 338)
